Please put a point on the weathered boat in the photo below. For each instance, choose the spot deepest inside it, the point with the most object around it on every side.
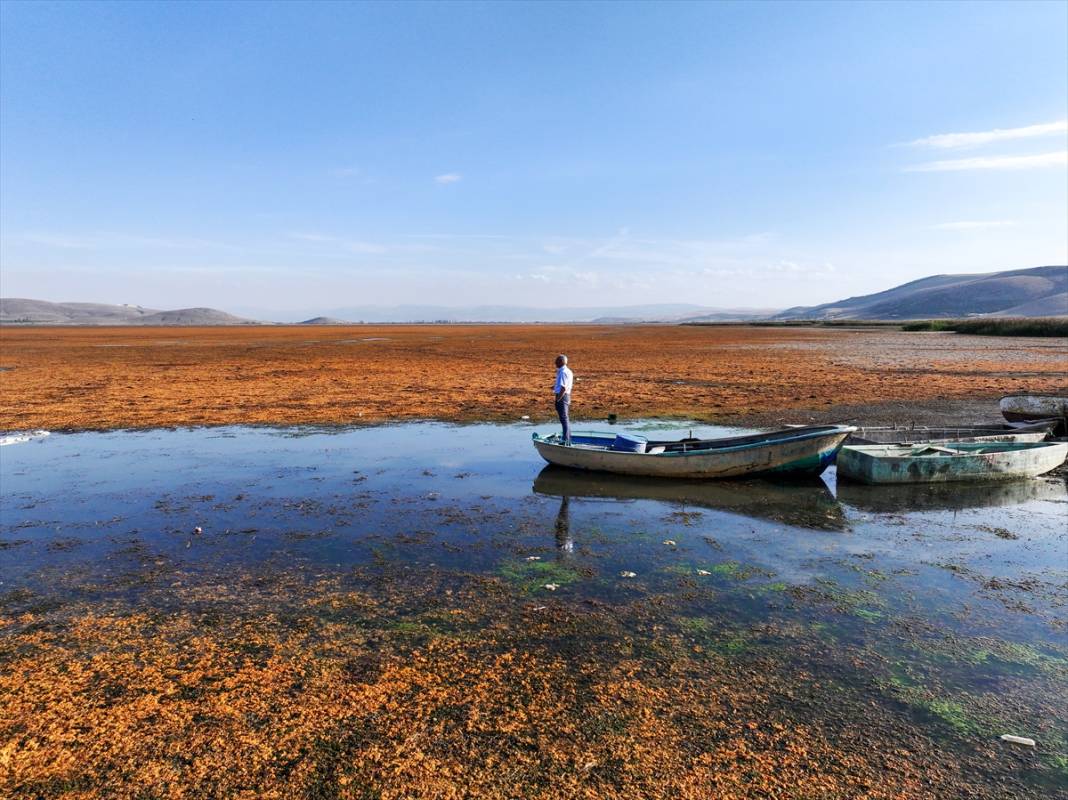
(1020, 432)
(1033, 407)
(807, 450)
(943, 463)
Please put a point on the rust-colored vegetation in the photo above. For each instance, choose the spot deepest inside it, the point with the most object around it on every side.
(100, 378)
(271, 688)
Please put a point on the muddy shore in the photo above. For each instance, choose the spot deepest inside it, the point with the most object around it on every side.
(112, 378)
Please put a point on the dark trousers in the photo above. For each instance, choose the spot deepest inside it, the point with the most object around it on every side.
(562, 407)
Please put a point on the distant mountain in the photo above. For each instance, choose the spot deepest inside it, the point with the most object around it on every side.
(193, 316)
(734, 315)
(1036, 292)
(14, 311)
(655, 312)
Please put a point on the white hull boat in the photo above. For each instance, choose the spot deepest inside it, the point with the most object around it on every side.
(949, 462)
(795, 451)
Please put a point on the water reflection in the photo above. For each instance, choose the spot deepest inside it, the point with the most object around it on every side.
(808, 504)
(564, 542)
(950, 496)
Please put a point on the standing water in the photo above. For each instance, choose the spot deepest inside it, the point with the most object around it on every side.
(428, 605)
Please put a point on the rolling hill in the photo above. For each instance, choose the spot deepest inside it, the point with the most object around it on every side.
(1036, 292)
(14, 311)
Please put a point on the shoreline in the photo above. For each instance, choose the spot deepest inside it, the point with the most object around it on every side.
(961, 410)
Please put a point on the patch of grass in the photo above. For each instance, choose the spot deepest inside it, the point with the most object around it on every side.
(929, 325)
(802, 323)
(998, 326)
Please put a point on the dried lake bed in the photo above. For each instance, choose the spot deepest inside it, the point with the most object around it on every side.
(426, 610)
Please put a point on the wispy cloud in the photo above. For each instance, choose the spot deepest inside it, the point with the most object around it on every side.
(625, 263)
(449, 177)
(976, 138)
(973, 225)
(102, 240)
(351, 245)
(1058, 158)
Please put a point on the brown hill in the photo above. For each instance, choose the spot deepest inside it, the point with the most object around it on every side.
(1039, 292)
(21, 311)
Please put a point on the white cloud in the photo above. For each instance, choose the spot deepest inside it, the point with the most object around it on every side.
(448, 177)
(972, 225)
(948, 140)
(347, 172)
(1057, 158)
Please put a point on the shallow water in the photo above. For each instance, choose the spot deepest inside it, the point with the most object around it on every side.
(944, 605)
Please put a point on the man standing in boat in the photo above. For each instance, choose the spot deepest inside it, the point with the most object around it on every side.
(562, 392)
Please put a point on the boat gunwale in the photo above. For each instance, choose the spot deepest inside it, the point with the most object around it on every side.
(967, 449)
(820, 432)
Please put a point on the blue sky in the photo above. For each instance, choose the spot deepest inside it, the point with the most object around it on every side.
(304, 156)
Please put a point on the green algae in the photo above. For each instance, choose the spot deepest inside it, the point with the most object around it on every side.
(713, 638)
(532, 576)
(868, 615)
(775, 586)
(996, 655)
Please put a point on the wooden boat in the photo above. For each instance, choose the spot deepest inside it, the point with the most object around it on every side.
(1033, 407)
(800, 503)
(943, 463)
(807, 450)
(1020, 432)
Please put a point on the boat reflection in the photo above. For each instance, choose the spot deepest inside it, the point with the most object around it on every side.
(949, 496)
(807, 504)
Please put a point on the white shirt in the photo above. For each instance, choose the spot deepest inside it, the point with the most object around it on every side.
(564, 380)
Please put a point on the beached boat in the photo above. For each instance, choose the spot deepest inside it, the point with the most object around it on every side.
(1033, 407)
(807, 450)
(1020, 432)
(944, 463)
